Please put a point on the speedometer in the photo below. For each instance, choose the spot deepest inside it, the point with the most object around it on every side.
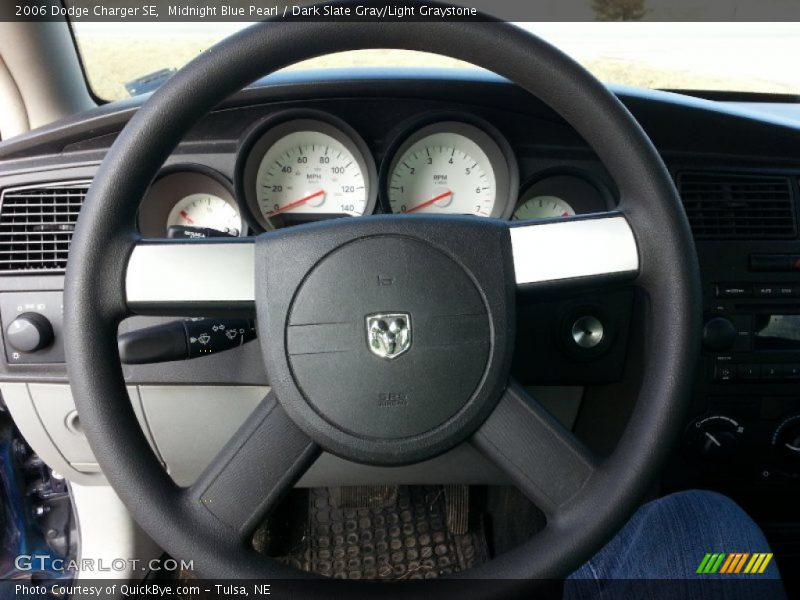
(308, 169)
(451, 168)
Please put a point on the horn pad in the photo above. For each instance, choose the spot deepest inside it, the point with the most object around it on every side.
(387, 339)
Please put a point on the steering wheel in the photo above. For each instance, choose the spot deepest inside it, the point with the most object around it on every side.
(324, 320)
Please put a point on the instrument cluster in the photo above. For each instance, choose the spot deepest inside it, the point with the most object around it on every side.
(300, 166)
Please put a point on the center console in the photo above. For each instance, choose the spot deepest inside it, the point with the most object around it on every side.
(743, 436)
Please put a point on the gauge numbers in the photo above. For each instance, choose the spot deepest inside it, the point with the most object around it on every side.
(443, 173)
(310, 173)
(207, 211)
(543, 207)
(560, 193)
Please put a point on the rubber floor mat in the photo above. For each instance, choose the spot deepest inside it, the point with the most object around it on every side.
(397, 534)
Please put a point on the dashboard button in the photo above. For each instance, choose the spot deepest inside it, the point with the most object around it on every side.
(734, 290)
(772, 371)
(791, 371)
(765, 290)
(748, 371)
(724, 372)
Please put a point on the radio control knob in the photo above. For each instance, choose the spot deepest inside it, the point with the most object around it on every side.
(719, 334)
(29, 332)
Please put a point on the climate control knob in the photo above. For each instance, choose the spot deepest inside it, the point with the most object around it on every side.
(29, 332)
(719, 334)
(786, 439)
(716, 438)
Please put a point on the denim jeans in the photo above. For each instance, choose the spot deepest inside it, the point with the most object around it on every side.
(658, 552)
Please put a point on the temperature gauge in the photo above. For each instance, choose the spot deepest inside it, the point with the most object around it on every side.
(542, 207)
(561, 193)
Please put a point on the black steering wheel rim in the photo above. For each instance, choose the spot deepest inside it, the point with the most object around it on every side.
(105, 239)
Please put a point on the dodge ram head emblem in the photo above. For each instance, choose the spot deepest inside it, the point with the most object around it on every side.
(389, 334)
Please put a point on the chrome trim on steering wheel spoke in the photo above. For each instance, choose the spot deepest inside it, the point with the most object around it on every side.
(185, 275)
(556, 250)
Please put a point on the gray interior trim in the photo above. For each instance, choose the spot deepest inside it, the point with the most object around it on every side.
(45, 414)
(107, 533)
(13, 116)
(602, 245)
(188, 425)
(191, 424)
(42, 60)
(20, 404)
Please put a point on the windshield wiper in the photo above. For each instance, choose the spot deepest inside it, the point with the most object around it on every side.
(148, 83)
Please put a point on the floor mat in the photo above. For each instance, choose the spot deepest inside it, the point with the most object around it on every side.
(386, 532)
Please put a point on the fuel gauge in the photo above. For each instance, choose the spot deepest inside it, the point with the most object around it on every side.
(192, 200)
(205, 210)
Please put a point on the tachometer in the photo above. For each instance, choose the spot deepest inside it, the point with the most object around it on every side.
(308, 169)
(451, 168)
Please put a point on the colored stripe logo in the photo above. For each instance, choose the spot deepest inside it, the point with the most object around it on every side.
(734, 563)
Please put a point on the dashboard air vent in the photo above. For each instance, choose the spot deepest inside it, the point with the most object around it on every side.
(36, 225)
(724, 206)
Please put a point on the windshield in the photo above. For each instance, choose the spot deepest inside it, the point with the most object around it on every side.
(123, 59)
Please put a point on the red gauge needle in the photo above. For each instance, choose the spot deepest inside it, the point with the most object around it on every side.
(185, 216)
(294, 203)
(429, 202)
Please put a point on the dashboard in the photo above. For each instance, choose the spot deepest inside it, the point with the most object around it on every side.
(298, 148)
(302, 165)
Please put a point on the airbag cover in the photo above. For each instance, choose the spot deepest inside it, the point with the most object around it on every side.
(388, 337)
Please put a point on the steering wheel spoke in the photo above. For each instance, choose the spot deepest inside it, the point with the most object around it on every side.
(545, 460)
(254, 470)
(583, 251)
(191, 278)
